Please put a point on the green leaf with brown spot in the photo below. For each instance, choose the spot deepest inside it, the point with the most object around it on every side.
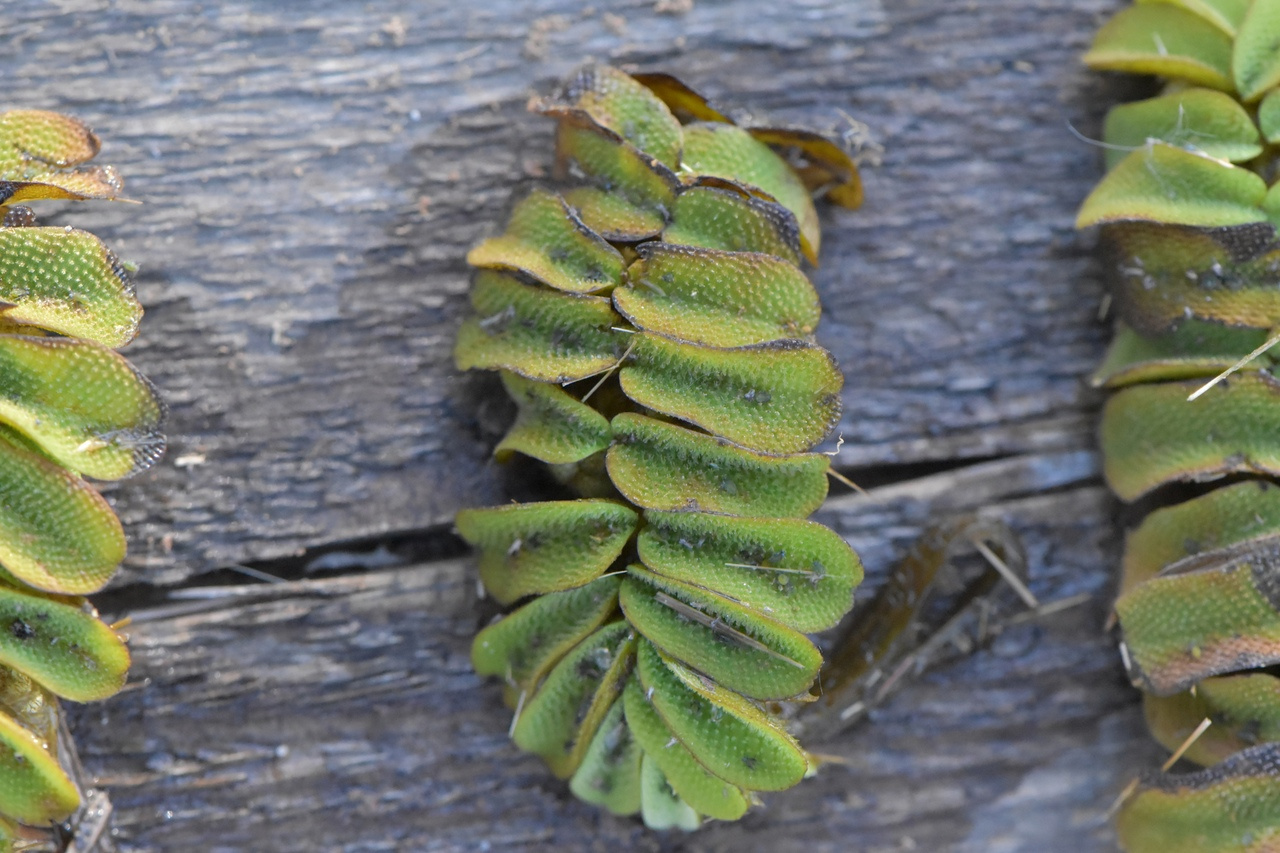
(561, 719)
(617, 101)
(779, 397)
(1168, 274)
(1217, 519)
(719, 217)
(536, 332)
(42, 139)
(66, 281)
(37, 152)
(63, 647)
(663, 466)
(704, 792)
(1151, 434)
(731, 153)
(552, 425)
(1209, 614)
(1245, 710)
(724, 732)
(797, 572)
(740, 649)
(522, 646)
(543, 547)
(1230, 807)
(546, 240)
(717, 298)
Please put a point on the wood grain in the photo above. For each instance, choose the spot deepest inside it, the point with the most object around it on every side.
(312, 174)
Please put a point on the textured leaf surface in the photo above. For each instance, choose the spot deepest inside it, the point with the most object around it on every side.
(692, 782)
(1218, 519)
(740, 649)
(1194, 349)
(551, 425)
(780, 397)
(729, 152)
(36, 790)
(547, 546)
(56, 533)
(545, 240)
(1161, 183)
(728, 735)
(722, 218)
(523, 646)
(1152, 435)
(798, 572)
(660, 806)
(1217, 612)
(1255, 60)
(67, 281)
(63, 647)
(537, 333)
(1166, 274)
(612, 216)
(614, 165)
(1245, 710)
(619, 102)
(662, 466)
(609, 774)
(1230, 807)
(83, 404)
(561, 719)
(37, 152)
(715, 298)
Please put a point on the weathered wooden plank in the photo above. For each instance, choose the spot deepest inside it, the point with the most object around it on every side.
(313, 172)
(342, 714)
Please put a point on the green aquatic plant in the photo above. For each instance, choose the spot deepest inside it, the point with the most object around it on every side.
(71, 410)
(1188, 213)
(650, 319)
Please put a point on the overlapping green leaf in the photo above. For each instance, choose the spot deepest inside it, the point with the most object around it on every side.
(712, 328)
(536, 332)
(731, 153)
(547, 241)
(68, 282)
(717, 298)
(662, 466)
(548, 546)
(739, 648)
(778, 397)
(1165, 40)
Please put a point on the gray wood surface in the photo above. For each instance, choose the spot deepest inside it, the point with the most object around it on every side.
(312, 173)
